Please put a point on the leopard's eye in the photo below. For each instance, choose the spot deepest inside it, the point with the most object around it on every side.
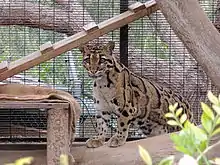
(102, 60)
(86, 60)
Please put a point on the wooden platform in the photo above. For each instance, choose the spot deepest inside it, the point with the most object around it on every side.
(38, 104)
(159, 147)
(57, 124)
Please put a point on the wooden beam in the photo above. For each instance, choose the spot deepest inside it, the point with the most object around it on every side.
(136, 7)
(3, 66)
(45, 48)
(78, 39)
(33, 104)
(90, 27)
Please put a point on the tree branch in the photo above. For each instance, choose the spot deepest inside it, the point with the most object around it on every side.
(40, 16)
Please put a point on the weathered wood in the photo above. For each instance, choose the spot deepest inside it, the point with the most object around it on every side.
(90, 27)
(8, 129)
(3, 66)
(76, 40)
(33, 104)
(57, 124)
(136, 7)
(159, 147)
(57, 135)
(45, 48)
(197, 32)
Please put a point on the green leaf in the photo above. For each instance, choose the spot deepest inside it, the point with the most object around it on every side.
(180, 141)
(172, 123)
(172, 108)
(206, 109)
(206, 122)
(187, 124)
(25, 160)
(175, 138)
(218, 121)
(64, 159)
(216, 131)
(213, 98)
(199, 134)
(216, 108)
(145, 155)
(167, 115)
(179, 111)
(215, 161)
(203, 145)
(183, 118)
(183, 150)
(167, 161)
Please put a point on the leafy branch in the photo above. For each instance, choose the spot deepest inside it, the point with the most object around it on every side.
(192, 141)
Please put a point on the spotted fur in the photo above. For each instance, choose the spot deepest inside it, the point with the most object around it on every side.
(134, 100)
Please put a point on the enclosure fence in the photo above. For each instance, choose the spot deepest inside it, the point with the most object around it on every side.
(148, 46)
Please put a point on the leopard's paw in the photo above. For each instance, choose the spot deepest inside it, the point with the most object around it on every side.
(95, 142)
(116, 141)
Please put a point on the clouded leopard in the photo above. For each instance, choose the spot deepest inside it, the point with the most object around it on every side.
(134, 100)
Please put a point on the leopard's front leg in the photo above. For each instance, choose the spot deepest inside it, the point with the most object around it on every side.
(102, 119)
(121, 135)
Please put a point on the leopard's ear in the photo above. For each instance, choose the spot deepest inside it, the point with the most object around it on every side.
(83, 49)
(109, 47)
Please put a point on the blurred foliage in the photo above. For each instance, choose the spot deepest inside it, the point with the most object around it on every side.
(64, 160)
(192, 141)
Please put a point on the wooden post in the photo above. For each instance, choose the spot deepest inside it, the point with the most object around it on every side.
(57, 135)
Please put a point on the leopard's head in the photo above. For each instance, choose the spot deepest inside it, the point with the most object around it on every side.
(98, 59)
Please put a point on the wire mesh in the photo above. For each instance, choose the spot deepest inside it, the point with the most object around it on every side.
(154, 51)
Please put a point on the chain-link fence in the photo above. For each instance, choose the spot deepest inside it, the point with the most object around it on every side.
(148, 46)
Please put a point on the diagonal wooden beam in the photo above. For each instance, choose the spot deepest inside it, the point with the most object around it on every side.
(87, 34)
(3, 66)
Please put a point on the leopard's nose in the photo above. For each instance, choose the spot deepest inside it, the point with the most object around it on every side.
(93, 71)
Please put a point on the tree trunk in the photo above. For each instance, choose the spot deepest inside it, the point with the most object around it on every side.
(180, 55)
(198, 34)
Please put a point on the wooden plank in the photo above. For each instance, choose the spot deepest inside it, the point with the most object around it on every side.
(77, 39)
(31, 105)
(3, 66)
(90, 27)
(45, 48)
(127, 154)
(137, 7)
